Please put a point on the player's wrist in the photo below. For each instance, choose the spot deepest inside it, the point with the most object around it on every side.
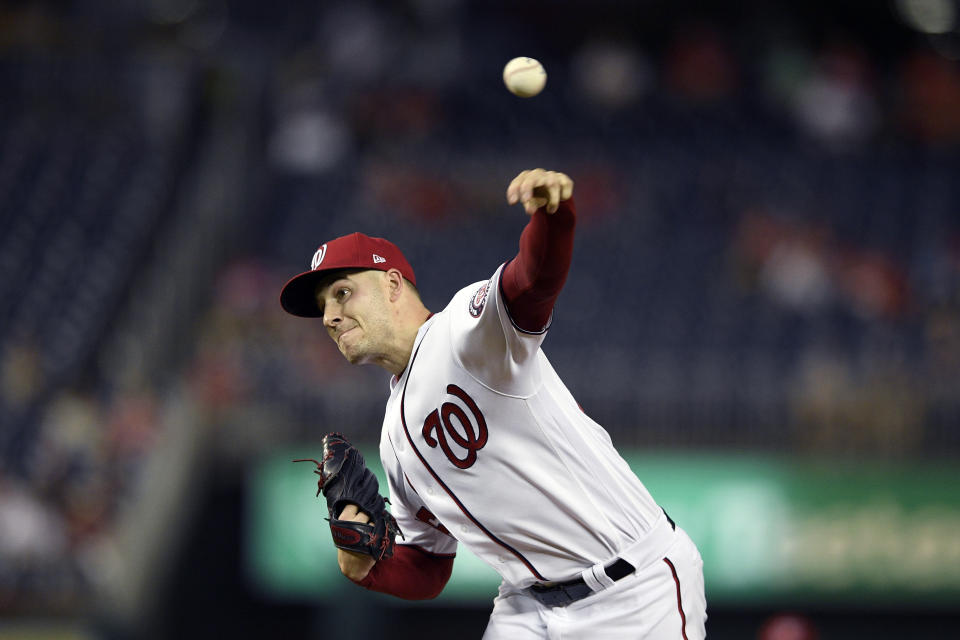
(355, 566)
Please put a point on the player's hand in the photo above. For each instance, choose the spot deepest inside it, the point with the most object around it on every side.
(539, 188)
(354, 565)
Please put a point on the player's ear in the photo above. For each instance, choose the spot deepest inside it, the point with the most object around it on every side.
(395, 284)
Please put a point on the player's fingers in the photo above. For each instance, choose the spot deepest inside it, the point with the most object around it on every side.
(534, 203)
(514, 189)
(536, 188)
(353, 513)
(553, 197)
(533, 179)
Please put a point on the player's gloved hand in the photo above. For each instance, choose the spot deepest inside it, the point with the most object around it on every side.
(345, 480)
(539, 188)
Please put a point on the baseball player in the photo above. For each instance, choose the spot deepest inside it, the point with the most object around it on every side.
(484, 446)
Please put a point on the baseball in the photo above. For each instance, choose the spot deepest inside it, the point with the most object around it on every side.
(524, 77)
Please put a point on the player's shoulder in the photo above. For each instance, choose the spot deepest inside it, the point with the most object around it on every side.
(471, 300)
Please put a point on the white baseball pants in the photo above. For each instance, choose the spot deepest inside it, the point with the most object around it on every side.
(662, 601)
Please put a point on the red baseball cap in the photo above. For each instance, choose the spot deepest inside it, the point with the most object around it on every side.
(354, 251)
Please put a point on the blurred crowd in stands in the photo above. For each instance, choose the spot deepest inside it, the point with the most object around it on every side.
(768, 255)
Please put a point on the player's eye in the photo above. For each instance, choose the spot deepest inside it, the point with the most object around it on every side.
(342, 294)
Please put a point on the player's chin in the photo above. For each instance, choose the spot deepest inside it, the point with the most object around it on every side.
(352, 354)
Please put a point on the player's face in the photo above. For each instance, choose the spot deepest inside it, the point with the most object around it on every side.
(356, 315)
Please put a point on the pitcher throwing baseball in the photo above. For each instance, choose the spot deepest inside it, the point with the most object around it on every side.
(484, 446)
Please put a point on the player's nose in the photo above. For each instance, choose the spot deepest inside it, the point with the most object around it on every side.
(331, 316)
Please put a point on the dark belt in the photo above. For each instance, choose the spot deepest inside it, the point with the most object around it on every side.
(561, 594)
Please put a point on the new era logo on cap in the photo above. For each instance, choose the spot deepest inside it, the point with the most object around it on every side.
(299, 295)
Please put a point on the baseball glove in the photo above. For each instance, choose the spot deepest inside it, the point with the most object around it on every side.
(345, 479)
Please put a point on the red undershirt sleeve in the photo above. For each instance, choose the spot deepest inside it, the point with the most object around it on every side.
(411, 573)
(533, 279)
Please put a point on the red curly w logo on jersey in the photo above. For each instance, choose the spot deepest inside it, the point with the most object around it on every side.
(469, 438)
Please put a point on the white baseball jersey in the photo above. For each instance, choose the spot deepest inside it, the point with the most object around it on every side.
(484, 445)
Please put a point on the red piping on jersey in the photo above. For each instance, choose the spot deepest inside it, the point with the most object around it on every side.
(442, 529)
(403, 421)
(404, 475)
(397, 377)
(683, 617)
